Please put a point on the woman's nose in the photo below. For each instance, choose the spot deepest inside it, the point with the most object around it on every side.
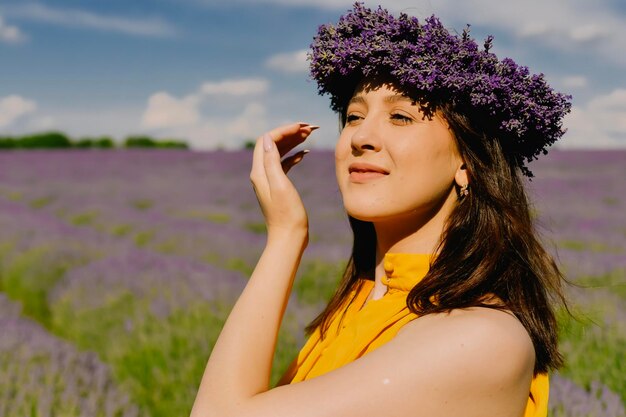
(366, 137)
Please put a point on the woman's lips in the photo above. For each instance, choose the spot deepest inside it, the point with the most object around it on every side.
(361, 176)
(363, 171)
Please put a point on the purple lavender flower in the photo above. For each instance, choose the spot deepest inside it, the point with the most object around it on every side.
(45, 376)
(166, 283)
(569, 400)
(435, 67)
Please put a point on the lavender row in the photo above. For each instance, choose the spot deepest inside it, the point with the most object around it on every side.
(581, 200)
(567, 399)
(163, 283)
(24, 228)
(89, 267)
(181, 201)
(42, 375)
(154, 192)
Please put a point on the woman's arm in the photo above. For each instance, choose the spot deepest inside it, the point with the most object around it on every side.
(241, 360)
(240, 364)
(476, 362)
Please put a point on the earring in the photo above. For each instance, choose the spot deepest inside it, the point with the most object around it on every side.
(464, 191)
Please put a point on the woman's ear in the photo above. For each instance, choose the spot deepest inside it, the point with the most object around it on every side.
(460, 177)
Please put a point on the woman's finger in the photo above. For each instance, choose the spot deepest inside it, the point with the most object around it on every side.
(289, 136)
(292, 160)
(267, 169)
(257, 173)
(276, 177)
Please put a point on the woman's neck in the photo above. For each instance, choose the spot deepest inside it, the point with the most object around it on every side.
(414, 232)
(404, 237)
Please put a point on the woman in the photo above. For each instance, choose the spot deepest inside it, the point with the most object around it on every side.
(445, 308)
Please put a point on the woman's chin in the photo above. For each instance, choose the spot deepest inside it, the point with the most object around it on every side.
(362, 218)
(365, 215)
(366, 207)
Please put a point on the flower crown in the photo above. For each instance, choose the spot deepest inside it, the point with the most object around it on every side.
(435, 67)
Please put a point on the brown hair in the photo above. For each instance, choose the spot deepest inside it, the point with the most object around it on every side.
(514, 266)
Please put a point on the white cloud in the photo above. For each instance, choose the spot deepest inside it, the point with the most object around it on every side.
(14, 107)
(236, 87)
(289, 62)
(117, 121)
(249, 123)
(534, 29)
(588, 33)
(601, 123)
(192, 118)
(564, 36)
(228, 132)
(41, 123)
(611, 111)
(166, 111)
(326, 4)
(574, 81)
(206, 135)
(10, 34)
(78, 18)
(559, 24)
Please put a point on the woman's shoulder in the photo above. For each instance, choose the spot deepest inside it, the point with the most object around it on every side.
(495, 341)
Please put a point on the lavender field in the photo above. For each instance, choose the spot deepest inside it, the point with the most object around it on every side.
(118, 268)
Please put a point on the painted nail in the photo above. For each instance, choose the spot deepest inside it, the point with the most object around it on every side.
(267, 142)
(313, 127)
(302, 124)
(306, 151)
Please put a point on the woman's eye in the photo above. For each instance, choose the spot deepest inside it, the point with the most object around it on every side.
(397, 117)
(351, 118)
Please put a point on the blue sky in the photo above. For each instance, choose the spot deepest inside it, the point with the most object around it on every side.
(217, 73)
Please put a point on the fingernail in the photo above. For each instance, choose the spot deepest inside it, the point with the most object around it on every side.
(309, 125)
(305, 151)
(267, 142)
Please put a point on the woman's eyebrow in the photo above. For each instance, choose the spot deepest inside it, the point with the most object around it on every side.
(358, 99)
(394, 98)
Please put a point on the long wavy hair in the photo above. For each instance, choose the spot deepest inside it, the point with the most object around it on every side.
(489, 246)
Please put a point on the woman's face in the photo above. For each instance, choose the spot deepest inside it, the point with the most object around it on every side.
(418, 158)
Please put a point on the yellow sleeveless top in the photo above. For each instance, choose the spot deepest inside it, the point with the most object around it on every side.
(365, 328)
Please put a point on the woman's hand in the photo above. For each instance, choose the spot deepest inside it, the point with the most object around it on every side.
(279, 200)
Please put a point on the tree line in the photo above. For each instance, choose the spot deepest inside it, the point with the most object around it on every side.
(59, 140)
